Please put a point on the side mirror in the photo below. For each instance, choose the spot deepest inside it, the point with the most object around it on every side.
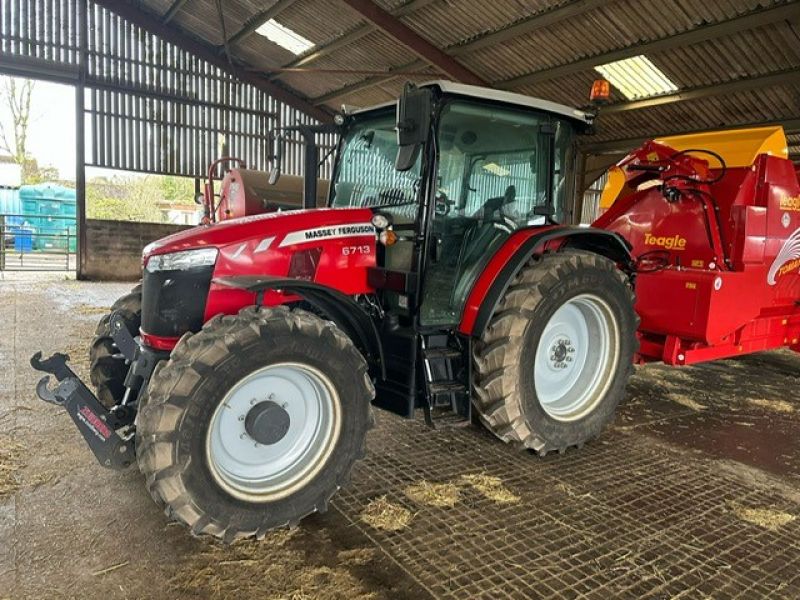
(199, 199)
(276, 154)
(413, 124)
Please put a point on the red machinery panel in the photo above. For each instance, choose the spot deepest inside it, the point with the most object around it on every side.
(718, 252)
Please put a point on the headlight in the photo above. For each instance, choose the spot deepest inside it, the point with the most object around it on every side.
(380, 221)
(178, 261)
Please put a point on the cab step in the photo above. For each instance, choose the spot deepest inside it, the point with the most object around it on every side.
(446, 368)
(447, 387)
(436, 353)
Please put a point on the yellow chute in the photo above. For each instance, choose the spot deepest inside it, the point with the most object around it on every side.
(739, 148)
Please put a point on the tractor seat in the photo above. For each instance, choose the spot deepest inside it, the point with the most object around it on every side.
(482, 247)
(481, 242)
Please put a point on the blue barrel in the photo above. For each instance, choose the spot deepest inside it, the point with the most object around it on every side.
(23, 239)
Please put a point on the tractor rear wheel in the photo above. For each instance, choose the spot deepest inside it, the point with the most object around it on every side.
(254, 422)
(108, 369)
(553, 363)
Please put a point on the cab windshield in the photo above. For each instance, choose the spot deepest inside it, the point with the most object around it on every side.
(365, 174)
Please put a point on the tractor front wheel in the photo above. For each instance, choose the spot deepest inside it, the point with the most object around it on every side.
(254, 422)
(108, 367)
(553, 363)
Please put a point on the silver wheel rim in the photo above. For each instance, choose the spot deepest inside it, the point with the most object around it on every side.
(576, 358)
(260, 472)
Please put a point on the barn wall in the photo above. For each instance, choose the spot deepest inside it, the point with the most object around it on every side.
(115, 247)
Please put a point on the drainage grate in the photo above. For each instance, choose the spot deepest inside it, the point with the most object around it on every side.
(624, 517)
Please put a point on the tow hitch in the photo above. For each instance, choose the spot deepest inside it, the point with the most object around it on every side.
(99, 426)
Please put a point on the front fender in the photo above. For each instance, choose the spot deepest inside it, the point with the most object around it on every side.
(491, 286)
(348, 315)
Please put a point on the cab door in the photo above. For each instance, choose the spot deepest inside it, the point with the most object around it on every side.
(499, 169)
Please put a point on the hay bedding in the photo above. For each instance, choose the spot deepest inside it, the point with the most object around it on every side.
(687, 402)
(383, 514)
(490, 487)
(270, 570)
(780, 406)
(10, 465)
(439, 495)
(766, 518)
(89, 309)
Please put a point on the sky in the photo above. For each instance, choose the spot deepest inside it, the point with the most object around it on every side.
(51, 134)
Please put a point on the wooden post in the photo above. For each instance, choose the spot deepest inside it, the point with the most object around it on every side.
(80, 141)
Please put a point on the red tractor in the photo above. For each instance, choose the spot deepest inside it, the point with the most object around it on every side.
(440, 277)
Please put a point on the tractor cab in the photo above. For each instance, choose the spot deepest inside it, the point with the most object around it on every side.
(451, 172)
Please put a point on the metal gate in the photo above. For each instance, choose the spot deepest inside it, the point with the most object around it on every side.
(41, 243)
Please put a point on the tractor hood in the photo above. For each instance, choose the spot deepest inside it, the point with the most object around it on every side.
(281, 229)
(334, 247)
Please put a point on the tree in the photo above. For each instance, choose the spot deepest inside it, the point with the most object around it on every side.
(125, 198)
(16, 94)
(177, 190)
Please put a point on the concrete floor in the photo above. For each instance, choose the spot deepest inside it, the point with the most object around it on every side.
(693, 494)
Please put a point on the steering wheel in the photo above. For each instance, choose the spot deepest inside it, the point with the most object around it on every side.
(442, 204)
(496, 206)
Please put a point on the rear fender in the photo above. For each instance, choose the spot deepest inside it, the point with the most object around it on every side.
(491, 286)
(340, 308)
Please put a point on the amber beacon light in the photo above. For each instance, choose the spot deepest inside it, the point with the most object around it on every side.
(601, 91)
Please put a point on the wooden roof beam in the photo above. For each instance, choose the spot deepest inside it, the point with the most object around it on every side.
(415, 43)
(352, 36)
(526, 26)
(173, 10)
(257, 20)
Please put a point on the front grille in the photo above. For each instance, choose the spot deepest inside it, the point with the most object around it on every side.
(173, 302)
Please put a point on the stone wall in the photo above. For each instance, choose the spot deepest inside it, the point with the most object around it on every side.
(114, 248)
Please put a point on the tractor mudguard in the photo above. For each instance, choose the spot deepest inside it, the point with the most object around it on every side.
(340, 308)
(515, 253)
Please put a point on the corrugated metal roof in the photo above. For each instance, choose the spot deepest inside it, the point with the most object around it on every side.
(705, 113)
(609, 26)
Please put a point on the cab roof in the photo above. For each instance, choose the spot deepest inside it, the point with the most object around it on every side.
(486, 93)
